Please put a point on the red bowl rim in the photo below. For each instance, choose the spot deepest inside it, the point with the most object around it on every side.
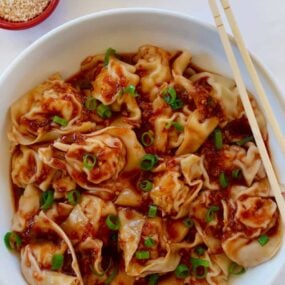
(30, 23)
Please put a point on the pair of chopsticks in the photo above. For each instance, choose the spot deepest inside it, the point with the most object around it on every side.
(276, 189)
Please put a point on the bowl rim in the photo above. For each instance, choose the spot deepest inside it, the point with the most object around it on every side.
(280, 95)
(5, 24)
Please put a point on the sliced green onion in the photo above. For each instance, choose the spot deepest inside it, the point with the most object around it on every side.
(153, 279)
(149, 242)
(147, 138)
(169, 95)
(210, 215)
(236, 269)
(263, 240)
(182, 271)
(109, 52)
(148, 162)
(145, 185)
(142, 254)
(104, 111)
(47, 199)
(236, 173)
(223, 180)
(218, 139)
(200, 250)
(57, 261)
(91, 103)
(176, 125)
(113, 222)
(131, 89)
(188, 223)
(89, 161)
(73, 197)
(152, 211)
(111, 276)
(12, 241)
(60, 121)
(177, 104)
(245, 140)
(196, 263)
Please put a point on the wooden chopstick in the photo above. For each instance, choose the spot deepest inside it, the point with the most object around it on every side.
(248, 109)
(253, 74)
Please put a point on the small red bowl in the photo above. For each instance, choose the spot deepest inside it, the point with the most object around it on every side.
(5, 24)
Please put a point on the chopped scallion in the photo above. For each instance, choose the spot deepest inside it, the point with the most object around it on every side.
(149, 242)
(148, 162)
(210, 215)
(236, 269)
(104, 111)
(91, 103)
(263, 240)
(47, 199)
(113, 222)
(73, 197)
(145, 185)
(218, 139)
(89, 161)
(147, 138)
(245, 140)
(223, 180)
(57, 261)
(182, 271)
(152, 211)
(142, 254)
(188, 223)
(109, 52)
(12, 241)
(60, 121)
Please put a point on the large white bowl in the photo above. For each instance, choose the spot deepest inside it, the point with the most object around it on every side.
(125, 30)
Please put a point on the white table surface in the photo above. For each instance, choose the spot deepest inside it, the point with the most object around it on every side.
(262, 23)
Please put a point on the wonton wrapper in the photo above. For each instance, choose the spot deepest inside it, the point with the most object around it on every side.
(32, 114)
(32, 256)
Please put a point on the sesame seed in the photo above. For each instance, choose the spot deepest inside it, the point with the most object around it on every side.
(21, 10)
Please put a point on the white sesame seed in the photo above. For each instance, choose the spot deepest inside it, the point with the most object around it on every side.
(21, 10)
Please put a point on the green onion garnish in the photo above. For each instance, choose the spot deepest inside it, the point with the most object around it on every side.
(131, 89)
(73, 197)
(60, 121)
(223, 180)
(47, 199)
(142, 254)
(12, 241)
(196, 263)
(89, 161)
(170, 97)
(210, 215)
(104, 111)
(263, 240)
(182, 271)
(152, 211)
(148, 162)
(113, 222)
(91, 103)
(245, 140)
(218, 139)
(111, 276)
(147, 138)
(149, 242)
(145, 185)
(57, 261)
(153, 279)
(176, 125)
(200, 250)
(236, 269)
(109, 52)
(188, 223)
(236, 173)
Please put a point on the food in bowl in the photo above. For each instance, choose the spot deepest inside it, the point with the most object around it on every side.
(139, 169)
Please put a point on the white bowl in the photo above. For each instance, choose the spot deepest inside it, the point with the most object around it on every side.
(125, 30)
